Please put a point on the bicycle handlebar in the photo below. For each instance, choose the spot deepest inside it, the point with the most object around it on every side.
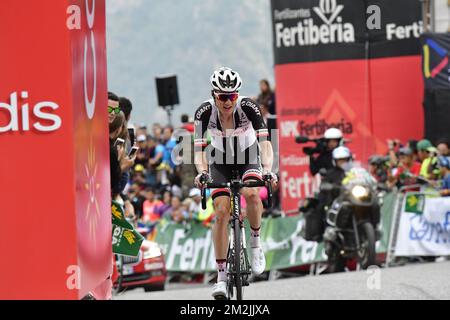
(249, 184)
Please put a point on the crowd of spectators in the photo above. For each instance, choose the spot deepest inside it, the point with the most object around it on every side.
(414, 163)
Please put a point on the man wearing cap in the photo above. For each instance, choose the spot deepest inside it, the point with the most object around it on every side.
(426, 153)
(143, 154)
(406, 165)
(195, 209)
(195, 206)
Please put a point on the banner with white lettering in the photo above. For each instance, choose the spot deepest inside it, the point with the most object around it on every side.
(350, 64)
(424, 228)
(54, 136)
(321, 30)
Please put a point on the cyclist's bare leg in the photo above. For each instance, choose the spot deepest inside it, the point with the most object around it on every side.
(220, 229)
(254, 206)
(254, 213)
(220, 238)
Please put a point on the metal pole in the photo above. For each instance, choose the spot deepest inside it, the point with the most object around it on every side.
(393, 231)
(425, 15)
(169, 114)
(432, 16)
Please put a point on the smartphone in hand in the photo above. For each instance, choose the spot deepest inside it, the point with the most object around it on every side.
(132, 134)
(119, 142)
(133, 152)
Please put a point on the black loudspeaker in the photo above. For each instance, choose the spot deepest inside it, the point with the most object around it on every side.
(167, 90)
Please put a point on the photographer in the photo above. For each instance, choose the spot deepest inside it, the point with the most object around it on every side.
(332, 138)
(379, 167)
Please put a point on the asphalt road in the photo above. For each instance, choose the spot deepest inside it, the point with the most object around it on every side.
(414, 281)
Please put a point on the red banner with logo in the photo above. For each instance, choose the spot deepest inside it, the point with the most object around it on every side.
(91, 142)
(332, 70)
(54, 168)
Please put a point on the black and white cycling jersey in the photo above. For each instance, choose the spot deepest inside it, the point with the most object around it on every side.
(232, 150)
(249, 125)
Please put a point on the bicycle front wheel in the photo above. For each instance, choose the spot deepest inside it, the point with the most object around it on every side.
(237, 259)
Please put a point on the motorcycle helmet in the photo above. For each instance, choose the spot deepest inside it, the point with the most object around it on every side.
(341, 153)
(333, 133)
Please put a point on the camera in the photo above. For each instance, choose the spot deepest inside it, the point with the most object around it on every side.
(321, 145)
(381, 166)
(378, 161)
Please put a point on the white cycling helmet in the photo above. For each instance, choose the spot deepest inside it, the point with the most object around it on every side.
(333, 133)
(226, 80)
(342, 153)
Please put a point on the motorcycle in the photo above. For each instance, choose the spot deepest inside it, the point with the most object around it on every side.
(314, 220)
(352, 220)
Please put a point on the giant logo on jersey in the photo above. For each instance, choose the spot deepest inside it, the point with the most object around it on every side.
(251, 104)
(203, 108)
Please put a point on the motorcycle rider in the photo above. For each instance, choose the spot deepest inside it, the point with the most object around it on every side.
(332, 138)
(341, 162)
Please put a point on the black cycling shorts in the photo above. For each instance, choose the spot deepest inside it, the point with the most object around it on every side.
(223, 173)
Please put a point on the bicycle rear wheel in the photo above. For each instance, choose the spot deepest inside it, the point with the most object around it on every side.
(237, 259)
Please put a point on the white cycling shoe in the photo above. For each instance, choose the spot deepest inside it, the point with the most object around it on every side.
(258, 260)
(220, 290)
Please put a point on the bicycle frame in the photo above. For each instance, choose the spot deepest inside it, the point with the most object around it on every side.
(238, 266)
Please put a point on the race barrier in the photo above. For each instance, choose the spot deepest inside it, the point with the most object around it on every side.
(189, 247)
(412, 224)
(421, 226)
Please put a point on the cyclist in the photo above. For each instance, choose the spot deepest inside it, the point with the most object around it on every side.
(238, 136)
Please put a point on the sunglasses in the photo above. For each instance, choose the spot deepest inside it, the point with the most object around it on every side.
(227, 96)
(116, 110)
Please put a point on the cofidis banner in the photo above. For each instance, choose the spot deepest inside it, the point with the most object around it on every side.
(54, 168)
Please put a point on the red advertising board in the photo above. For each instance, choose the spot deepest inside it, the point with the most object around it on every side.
(54, 168)
(314, 96)
(332, 71)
